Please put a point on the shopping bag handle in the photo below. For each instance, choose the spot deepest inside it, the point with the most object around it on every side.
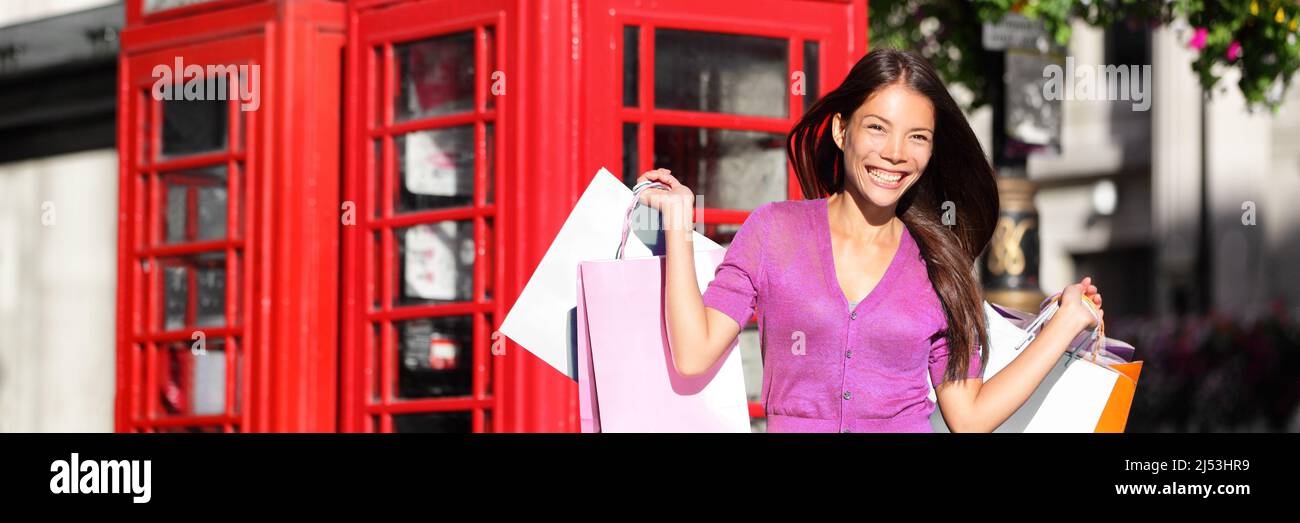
(627, 218)
(1049, 307)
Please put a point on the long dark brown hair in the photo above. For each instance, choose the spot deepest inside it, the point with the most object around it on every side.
(957, 172)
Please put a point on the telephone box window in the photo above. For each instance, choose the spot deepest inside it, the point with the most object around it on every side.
(631, 65)
(812, 74)
(192, 382)
(377, 164)
(193, 126)
(490, 145)
(721, 73)
(435, 357)
(490, 68)
(374, 275)
(436, 169)
(630, 161)
(729, 169)
(193, 291)
(435, 76)
(436, 262)
(488, 252)
(195, 203)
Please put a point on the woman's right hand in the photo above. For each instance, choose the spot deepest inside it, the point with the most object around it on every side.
(676, 202)
(1074, 313)
(698, 336)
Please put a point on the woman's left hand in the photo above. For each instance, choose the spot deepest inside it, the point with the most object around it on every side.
(1074, 311)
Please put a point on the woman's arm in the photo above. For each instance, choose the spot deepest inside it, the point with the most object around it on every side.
(697, 335)
(975, 406)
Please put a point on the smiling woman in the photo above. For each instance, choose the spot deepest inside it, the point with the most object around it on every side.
(863, 272)
(893, 101)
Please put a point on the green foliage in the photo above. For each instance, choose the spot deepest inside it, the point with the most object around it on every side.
(941, 30)
(1256, 37)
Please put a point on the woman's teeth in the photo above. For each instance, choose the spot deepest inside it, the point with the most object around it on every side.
(884, 176)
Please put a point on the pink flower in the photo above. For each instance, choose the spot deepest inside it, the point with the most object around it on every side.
(1234, 50)
(1198, 40)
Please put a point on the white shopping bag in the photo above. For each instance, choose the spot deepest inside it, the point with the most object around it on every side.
(1070, 399)
(544, 318)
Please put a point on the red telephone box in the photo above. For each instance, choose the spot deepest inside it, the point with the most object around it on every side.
(264, 288)
(473, 127)
(422, 270)
(229, 146)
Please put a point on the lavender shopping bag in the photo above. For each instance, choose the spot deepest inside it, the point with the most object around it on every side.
(627, 381)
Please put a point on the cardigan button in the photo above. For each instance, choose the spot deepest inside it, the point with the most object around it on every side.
(846, 431)
(848, 353)
(854, 315)
(848, 394)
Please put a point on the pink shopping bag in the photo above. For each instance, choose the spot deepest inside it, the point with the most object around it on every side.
(627, 381)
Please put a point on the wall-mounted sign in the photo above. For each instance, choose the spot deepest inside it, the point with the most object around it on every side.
(1015, 31)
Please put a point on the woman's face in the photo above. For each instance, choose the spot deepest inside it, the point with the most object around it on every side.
(886, 143)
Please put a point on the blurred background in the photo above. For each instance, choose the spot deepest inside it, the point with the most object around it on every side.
(337, 258)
